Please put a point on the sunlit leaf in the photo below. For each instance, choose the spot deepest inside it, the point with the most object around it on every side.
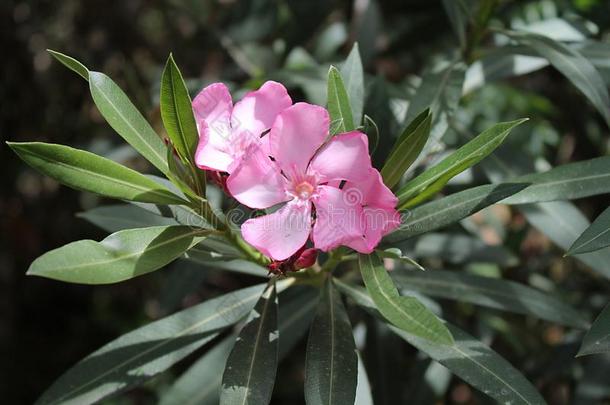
(71, 64)
(177, 112)
(406, 149)
(89, 172)
(126, 120)
(405, 312)
(120, 256)
(432, 180)
(339, 106)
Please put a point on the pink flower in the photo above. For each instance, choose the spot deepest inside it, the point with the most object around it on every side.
(379, 216)
(226, 130)
(305, 174)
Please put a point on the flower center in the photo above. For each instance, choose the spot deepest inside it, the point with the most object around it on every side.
(304, 190)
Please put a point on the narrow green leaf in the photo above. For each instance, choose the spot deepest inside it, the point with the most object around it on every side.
(71, 64)
(126, 120)
(440, 90)
(458, 14)
(113, 218)
(595, 237)
(120, 256)
(140, 354)
(459, 248)
(372, 132)
(89, 172)
(572, 65)
(566, 182)
(407, 148)
(405, 312)
(562, 222)
(177, 112)
(353, 78)
(489, 292)
(597, 339)
(250, 372)
(447, 210)
(338, 102)
(467, 358)
(200, 384)
(331, 365)
(432, 180)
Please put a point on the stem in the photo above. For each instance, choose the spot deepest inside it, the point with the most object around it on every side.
(251, 254)
(334, 259)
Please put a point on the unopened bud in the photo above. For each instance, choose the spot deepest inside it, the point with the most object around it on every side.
(306, 259)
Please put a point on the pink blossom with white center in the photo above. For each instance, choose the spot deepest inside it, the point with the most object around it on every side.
(304, 173)
(226, 131)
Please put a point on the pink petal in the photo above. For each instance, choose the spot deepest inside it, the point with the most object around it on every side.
(212, 108)
(256, 181)
(296, 134)
(377, 223)
(344, 157)
(213, 105)
(337, 219)
(209, 154)
(281, 234)
(372, 191)
(257, 111)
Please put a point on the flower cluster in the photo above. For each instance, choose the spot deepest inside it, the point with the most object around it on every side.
(280, 157)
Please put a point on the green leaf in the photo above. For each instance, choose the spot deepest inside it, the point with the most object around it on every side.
(140, 354)
(597, 340)
(338, 102)
(458, 248)
(353, 78)
(562, 222)
(177, 112)
(372, 132)
(489, 292)
(467, 358)
(250, 372)
(566, 182)
(126, 120)
(89, 172)
(120, 256)
(432, 180)
(113, 218)
(440, 90)
(450, 209)
(407, 148)
(572, 65)
(331, 365)
(405, 312)
(595, 237)
(201, 382)
(458, 14)
(71, 64)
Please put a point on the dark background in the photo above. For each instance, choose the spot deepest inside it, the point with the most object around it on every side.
(46, 326)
